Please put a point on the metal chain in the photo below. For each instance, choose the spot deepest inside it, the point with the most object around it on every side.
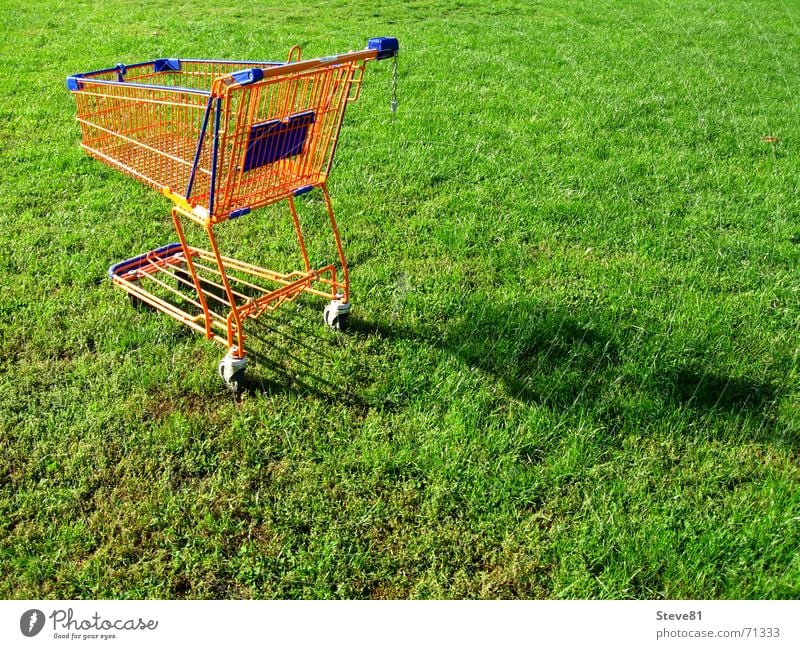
(394, 83)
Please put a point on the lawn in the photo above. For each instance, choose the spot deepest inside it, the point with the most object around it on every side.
(572, 370)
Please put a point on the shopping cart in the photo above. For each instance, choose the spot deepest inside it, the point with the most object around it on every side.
(220, 139)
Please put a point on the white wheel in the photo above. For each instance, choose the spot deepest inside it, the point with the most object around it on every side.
(231, 370)
(335, 314)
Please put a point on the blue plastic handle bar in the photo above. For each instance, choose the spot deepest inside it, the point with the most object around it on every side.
(240, 212)
(215, 146)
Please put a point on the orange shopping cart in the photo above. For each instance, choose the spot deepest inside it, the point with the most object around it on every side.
(220, 139)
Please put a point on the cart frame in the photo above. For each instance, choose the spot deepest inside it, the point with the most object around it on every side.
(221, 139)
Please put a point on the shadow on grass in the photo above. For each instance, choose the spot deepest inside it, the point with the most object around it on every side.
(549, 358)
(700, 389)
(554, 359)
(291, 359)
(546, 357)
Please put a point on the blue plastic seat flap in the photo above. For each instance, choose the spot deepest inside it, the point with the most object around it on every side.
(277, 139)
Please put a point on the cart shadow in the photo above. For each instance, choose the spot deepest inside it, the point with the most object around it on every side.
(553, 359)
(700, 389)
(293, 359)
(550, 358)
(523, 347)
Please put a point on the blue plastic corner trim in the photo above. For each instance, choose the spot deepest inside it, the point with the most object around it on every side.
(303, 190)
(73, 82)
(245, 77)
(136, 262)
(240, 212)
(277, 139)
(387, 46)
(166, 65)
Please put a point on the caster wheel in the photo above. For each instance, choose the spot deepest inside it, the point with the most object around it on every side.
(236, 382)
(336, 314)
(231, 370)
(139, 304)
(339, 322)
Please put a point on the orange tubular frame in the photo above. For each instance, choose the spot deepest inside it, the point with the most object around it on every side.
(221, 139)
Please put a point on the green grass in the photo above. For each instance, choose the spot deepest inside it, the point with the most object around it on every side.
(573, 370)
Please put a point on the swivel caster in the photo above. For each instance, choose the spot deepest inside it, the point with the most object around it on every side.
(336, 313)
(231, 370)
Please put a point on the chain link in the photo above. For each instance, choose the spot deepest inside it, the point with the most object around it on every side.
(394, 83)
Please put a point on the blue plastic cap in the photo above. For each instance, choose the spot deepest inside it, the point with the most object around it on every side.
(387, 46)
(245, 77)
(166, 65)
(73, 83)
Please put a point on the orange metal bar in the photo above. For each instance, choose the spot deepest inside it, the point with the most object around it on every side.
(294, 54)
(300, 239)
(164, 306)
(303, 66)
(233, 316)
(187, 253)
(339, 248)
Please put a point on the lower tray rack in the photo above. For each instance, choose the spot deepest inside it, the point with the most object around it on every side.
(162, 279)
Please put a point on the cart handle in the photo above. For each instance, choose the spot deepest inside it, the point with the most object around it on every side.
(382, 47)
